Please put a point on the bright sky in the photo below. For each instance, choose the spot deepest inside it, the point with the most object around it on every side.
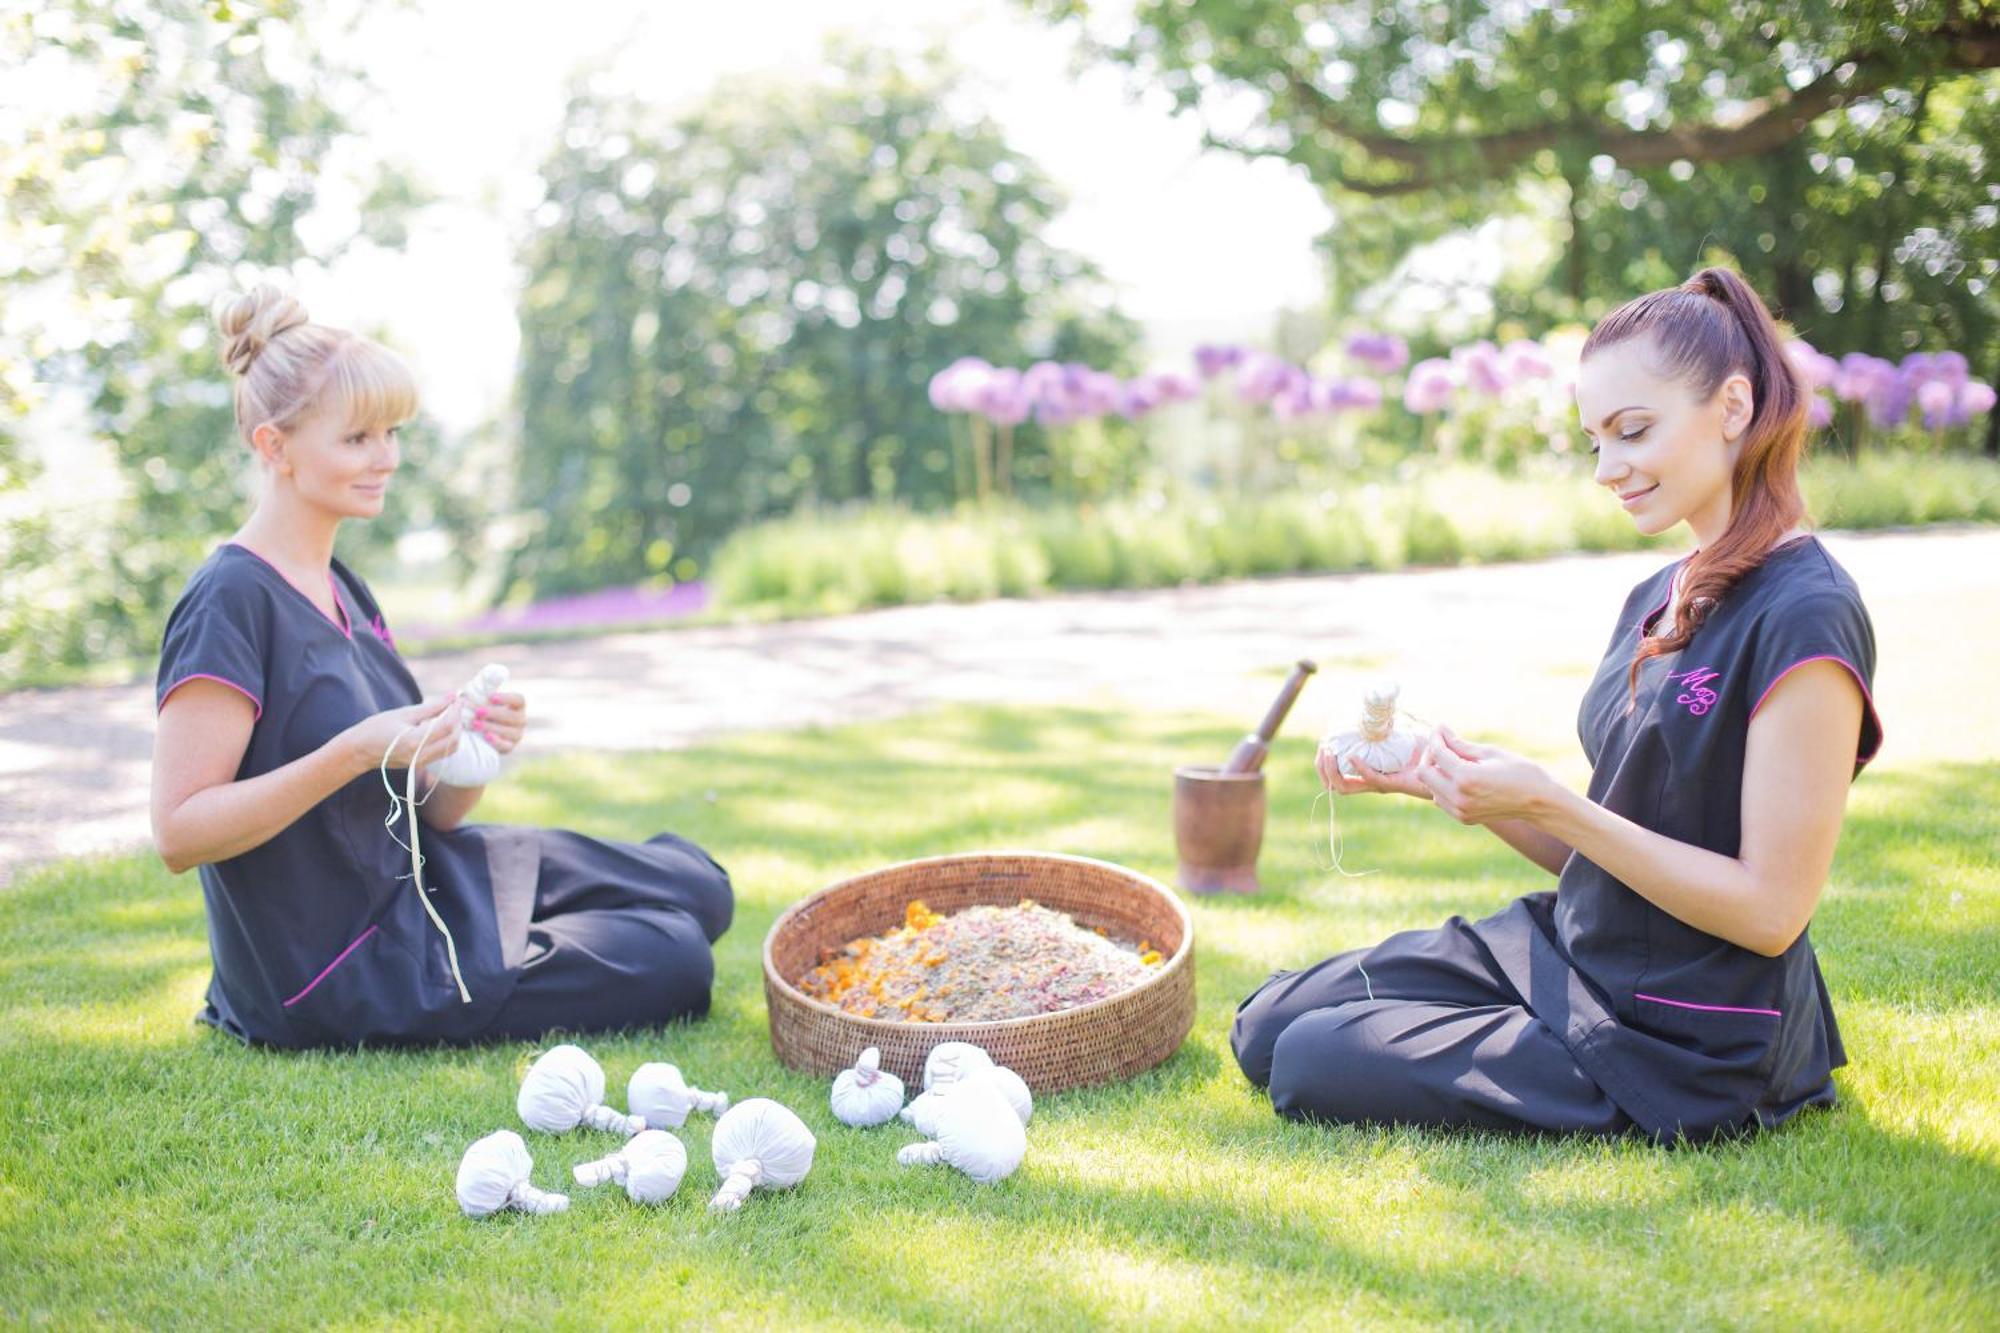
(1200, 245)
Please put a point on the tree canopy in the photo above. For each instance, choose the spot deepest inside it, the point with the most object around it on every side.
(167, 150)
(738, 310)
(1839, 153)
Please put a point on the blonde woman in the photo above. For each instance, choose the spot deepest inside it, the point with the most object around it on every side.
(1667, 985)
(280, 695)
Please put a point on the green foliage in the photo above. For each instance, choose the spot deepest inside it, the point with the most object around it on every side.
(159, 1175)
(1839, 154)
(740, 311)
(838, 561)
(170, 150)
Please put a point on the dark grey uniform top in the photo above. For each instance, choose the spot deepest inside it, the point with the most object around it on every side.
(317, 936)
(1688, 1033)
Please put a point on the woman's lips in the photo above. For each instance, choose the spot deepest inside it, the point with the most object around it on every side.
(1630, 501)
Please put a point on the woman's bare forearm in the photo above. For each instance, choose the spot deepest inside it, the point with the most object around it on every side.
(1713, 893)
(448, 805)
(1544, 849)
(231, 818)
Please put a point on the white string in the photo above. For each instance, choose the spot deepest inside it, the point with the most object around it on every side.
(1334, 844)
(1333, 834)
(396, 806)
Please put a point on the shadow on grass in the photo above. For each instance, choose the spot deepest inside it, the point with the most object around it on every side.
(1165, 1198)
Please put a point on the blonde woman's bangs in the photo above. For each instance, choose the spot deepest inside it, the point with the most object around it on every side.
(371, 385)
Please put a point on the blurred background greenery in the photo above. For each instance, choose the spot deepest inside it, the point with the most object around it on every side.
(731, 300)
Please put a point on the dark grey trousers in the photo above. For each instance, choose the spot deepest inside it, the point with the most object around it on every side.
(619, 938)
(1421, 1029)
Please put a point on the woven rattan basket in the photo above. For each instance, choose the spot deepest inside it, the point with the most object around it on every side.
(1094, 1043)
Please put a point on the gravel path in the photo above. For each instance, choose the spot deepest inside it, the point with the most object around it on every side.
(1500, 650)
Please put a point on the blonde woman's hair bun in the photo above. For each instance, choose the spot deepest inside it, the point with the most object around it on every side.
(250, 320)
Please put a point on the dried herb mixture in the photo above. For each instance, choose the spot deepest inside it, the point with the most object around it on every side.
(978, 965)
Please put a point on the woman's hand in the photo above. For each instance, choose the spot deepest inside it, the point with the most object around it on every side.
(502, 721)
(1480, 784)
(1403, 781)
(403, 729)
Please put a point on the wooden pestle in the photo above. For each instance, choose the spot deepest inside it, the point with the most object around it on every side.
(1248, 756)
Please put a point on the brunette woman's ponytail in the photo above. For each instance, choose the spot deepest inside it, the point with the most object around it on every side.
(1711, 327)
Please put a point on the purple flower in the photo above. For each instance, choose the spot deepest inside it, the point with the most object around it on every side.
(1097, 393)
(1211, 359)
(1815, 367)
(955, 388)
(1523, 359)
(1480, 364)
(1888, 398)
(1819, 410)
(1936, 400)
(1045, 382)
(1354, 393)
(1294, 400)
(1975, 399)
(1383, 353)
(1002, 399)
(1858, 375)
(610, 606)
(1263, 377)
(1176, 387)
(1137, 397)
(1429, 387)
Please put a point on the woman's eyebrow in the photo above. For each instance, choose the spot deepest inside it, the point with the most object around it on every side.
(1613, 416)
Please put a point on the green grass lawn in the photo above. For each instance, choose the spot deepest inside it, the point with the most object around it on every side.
(154, 1174)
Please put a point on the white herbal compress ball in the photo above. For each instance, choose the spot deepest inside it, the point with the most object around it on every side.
(475, 762)
(926, 1112)
(1376, 742)
(649, 1166)
(657, 1094)
(977, 1132)
(949, 1061)
(758, 1144)
(564, 1089)
(493, 1175)
(867, 1094)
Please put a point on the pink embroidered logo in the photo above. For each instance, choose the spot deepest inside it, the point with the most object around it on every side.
(1698, 698)
(382, 631)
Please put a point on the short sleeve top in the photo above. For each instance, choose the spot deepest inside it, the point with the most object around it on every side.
(1670, 758)
(334, 887)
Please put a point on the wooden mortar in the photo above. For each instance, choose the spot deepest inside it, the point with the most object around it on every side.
(1219, 812)
(1218, 828)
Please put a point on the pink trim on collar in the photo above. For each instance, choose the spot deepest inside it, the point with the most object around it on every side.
(345, 624)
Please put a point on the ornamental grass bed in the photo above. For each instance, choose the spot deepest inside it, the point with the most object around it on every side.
(1109, 1023)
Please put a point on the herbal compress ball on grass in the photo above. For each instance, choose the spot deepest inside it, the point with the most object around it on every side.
(927, 1111)
(564, 1089)
(649, 1166)
(950, 1061)
(657, 1094)
(866, 1094)
(978, 965)
(759, 1144)
(493, 1175)
(977, 1132)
